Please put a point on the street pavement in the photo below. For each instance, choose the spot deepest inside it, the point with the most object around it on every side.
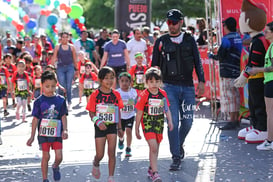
(211, 154)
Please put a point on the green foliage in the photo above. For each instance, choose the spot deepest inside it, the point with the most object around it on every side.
(101, 13)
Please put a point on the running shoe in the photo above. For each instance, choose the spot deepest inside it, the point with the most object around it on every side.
(120, 144)
(56, 173)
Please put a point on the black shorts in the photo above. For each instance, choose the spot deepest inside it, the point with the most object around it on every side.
(3, 93)
(119, 69)
(268, 87)
(111, 129)
(127, 123)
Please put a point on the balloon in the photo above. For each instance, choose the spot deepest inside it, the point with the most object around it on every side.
(26, 18)
(67, 10)
(82, 19)
(48, 2)
(47, 12)
(14, 23)
(30, 1)
(52, 19)
(76, 11)
(56, 4)
(77, 21)
(19, 27)
(62, 6)
(9, 19)
(43, 12)
(31, 24)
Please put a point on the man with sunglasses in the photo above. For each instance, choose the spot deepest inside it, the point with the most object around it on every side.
(176, 54)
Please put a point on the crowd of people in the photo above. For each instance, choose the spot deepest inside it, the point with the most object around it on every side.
(126, 82)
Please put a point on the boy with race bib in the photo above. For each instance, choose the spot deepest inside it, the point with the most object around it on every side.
(128, 96)
(151, 106)
(37, 90)
(87, 82)
(20, 81)
(49, 117)
(104, 109)
(137, 72)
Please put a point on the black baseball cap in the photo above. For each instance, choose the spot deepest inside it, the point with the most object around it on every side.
(231, 24)
(175, 15)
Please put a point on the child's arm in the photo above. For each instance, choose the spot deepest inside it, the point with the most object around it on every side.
(169, 118)
(138, 119)
(120, 132)
(96, 121)
(80, 90)
(64, 122)
(33, 131)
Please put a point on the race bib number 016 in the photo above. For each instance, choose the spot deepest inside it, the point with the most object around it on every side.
(22, 84)
(128, 105)
(156, 107)
(50, 128)
(107, 113)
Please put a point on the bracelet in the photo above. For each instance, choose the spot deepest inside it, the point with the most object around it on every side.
(95, 119)
(99, 122)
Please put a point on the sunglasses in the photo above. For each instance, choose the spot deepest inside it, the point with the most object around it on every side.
(171, 22)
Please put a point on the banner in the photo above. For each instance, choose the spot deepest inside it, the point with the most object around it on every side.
(132, 13)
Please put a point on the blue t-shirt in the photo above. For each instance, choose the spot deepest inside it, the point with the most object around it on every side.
(115, 53)
(49, 108)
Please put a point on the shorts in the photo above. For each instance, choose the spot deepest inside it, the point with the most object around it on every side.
(230, 96)
(119, 69)
(3, 93)
(54, 145)
(268, 89)
(111, 129)
(127, 123)
(151, 135)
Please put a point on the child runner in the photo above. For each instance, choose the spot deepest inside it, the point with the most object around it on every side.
(37, 91)
(11, 68)
(87, 82)
(20, 82)
(104, 110)
(52, 68)
(128, 96)
(29, 69)
(49, 117)
(151, 106)
(4, 86)
(137, 71)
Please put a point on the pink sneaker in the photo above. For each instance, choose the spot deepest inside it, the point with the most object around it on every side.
(150, 172)
(111, 179)
(156, 177)
(96, 172)
(17, 115)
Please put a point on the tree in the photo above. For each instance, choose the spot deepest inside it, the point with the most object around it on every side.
(101, 13)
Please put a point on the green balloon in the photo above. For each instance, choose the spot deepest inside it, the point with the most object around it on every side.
(76, 11)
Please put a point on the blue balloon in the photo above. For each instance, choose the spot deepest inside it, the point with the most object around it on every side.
(30, 1)
(72, 22)
(52, 19)
(31, 24)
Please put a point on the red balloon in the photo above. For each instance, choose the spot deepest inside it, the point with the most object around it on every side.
(53, 27)
(19, 27)
(14, 23)
(77, 21)
(83, 28)
(47, 12)
(26, 18)
(67, 10)
(43, 12)
(62, 6)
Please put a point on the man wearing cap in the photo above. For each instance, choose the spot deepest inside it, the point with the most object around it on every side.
(229, 54)
(8, 36)
(176, 54)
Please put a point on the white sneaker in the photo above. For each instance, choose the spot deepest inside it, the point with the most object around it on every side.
(265, 146)
(0, 140)
(243, 132)
(256, 136)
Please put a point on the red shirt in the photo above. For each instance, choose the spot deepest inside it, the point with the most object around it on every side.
(4, 73)
(80, 64)
(92, 76)
(11, 68)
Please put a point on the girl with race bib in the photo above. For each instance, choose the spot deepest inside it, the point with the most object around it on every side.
(137, 71)
(128, 96)
(104, 109)
(87, 82)
(151, 106)
(20, 81)
(4, 86)
(37, 90)
(49, 117)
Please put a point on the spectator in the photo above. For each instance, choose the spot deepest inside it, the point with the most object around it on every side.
(201, 26)
(102, 41)
(18, 48)
(8, 36)
(146, 35)
(9, 48)
(229, 56)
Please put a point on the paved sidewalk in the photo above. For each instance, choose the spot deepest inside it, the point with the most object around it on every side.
(211, 154)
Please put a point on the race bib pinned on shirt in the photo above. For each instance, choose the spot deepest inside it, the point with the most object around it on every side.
(107, 113)
(82, 69)
(156, 107)
(50, 128)
(38, 83)
(139, 78)
(22, 84)
(129, 105)
(3, 80)
(88, 84)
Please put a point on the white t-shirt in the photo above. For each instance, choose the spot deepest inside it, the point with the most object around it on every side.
(133, 47)
(128, 99)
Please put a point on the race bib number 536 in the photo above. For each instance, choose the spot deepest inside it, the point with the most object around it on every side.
(106, 113)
